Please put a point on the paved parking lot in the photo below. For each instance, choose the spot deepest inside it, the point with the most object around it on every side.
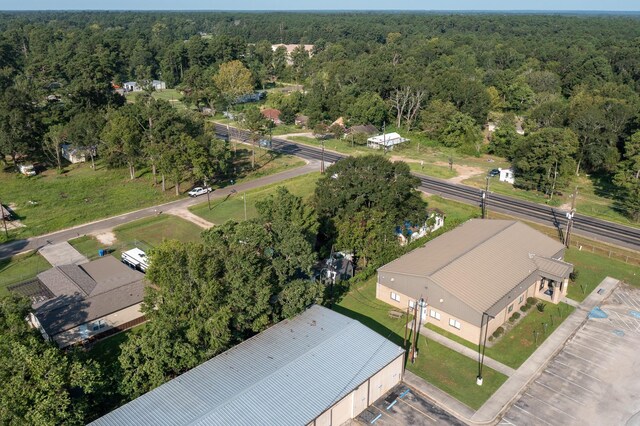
(403, 406)
(595, 379)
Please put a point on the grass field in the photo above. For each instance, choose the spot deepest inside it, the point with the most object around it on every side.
(267, 163)
(592, 269)
(51, 201)
(173, 96)
(448, 370)
(20, 268)
(233, 207)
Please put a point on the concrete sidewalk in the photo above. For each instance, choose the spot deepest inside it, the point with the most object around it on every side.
(532, 367)
(468, 352)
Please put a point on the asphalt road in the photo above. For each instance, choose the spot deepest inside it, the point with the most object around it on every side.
(35, 243)
(595, 229)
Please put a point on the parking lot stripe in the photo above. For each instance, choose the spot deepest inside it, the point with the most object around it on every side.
(574, 342)
(579, 357)
(532, 415)
(578, 370)
(570, 381)
(557, 391)
(417, 409)
(508, 422)
(622, 320)
(550, 405)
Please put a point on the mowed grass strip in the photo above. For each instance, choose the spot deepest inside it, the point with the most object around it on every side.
(593, 268)
(233, 207)
(20, 268)
(442, 367)
(151, 231)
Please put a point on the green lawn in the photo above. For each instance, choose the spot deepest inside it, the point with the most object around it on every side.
(593, 268)
(453, 210)
(20, 268)
(267, 163)
(441, 172)
(173, 96)
(106, 351)
(233, 207)
(52, 201)
(448, 370)
(144, 234)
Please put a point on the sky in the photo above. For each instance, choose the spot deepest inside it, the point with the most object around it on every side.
(550, 5)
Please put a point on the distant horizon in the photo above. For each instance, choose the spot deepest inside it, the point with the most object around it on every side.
(424, 11)
(409, 6)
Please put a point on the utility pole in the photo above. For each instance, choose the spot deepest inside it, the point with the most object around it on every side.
(404, 343)
(555, 176)
(567, 234)
(485, 194)
(413, 336)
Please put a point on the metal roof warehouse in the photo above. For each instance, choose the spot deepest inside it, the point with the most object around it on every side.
(319, 366)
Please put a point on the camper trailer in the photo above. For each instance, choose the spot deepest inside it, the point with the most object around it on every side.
(136, 259)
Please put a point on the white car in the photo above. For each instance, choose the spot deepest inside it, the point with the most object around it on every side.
(199, 190)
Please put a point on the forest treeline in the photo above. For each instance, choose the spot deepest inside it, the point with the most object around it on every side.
(571, 82)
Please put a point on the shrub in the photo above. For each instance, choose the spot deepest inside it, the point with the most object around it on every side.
(491, 338)
(573, 276)
(498, 332)
(511, 319)
(531, 301)
(525, 308)
(516, 315)
(540, 306)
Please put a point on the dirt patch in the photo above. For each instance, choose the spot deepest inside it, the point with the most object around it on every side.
(185, 214)
(464, 172)
(107, 238)
(395, 158)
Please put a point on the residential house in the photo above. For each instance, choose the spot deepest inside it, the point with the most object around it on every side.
(408, 232)
(272, 114)
(131, 86)
(338, 122)
(158, 85)
(473, 278)
(74, 154)
(506, 175)
(72, 303)
(385, 141)
(338, 267)
(317, 368)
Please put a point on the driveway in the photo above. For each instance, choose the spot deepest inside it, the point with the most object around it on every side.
(593, 380)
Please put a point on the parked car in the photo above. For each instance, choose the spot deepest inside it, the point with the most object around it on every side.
(494, 172)
(265, 143)
(199, 190)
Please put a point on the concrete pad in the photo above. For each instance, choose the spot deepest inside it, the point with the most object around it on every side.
(403, 406)
(62, 254)
(594, 379)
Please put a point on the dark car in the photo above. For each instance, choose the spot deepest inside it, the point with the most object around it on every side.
(494, 172)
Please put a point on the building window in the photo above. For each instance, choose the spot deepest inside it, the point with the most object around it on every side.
(521, 299)
(395, 296)
(510, 308)
(454, 323)
(411, 304)
(434, 314)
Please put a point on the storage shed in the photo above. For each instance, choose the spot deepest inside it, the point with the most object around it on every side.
(318, 368)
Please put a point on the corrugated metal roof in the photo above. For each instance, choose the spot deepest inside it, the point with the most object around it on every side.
(478, 262)
(553, 268)
(287, 375)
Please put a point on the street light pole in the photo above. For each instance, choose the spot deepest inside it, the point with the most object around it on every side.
(322, 162)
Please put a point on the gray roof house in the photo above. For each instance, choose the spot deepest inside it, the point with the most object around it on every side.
(74, 302)
(483, 267)
(318, 367)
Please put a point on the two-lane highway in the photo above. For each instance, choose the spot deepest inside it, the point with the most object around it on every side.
(596, 229)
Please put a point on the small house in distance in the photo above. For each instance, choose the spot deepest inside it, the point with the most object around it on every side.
(72, 303)
(473, 278)
(317, 368)
(506, 175)
(409, 232)
(385, 141)
(74, 154)
(272, 114)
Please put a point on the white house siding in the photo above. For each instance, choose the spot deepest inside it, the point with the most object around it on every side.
(84, 331)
